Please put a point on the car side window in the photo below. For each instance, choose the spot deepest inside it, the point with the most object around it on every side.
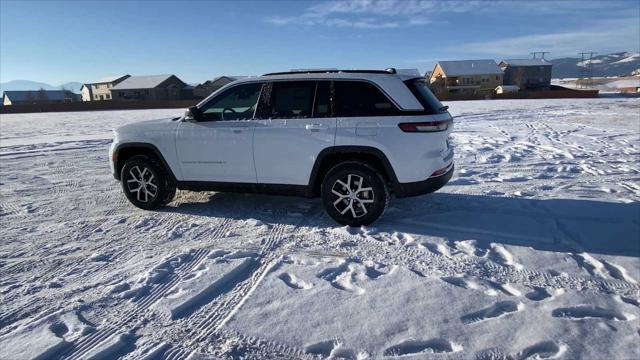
(237, 103)
(359, 98)
(292, 99)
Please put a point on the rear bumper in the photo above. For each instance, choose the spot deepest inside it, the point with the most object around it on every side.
(423, 187)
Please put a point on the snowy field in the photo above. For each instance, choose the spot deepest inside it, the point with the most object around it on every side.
(604, 84)
(531, 252)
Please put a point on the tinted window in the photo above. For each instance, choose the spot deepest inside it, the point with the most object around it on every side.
(357, 98)
(421, 91)
(323, 103)
(237, 103)
(294, 99)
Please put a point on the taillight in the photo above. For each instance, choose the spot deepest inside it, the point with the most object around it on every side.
(440, 172)
(428, 126)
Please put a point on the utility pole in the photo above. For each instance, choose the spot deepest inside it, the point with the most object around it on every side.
(585, 79)
(534, 54)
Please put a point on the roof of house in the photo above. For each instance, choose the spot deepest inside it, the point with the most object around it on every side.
(508, 87)
(526, 62)
(225, 77)
(110, 79)
(142, 82)
(224, 80)
(469, 67)
(232, 78)
(22, 95)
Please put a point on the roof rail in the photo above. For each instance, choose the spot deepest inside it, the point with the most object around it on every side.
(334, 71)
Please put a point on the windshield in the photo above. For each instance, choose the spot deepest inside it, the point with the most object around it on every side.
(421, 91)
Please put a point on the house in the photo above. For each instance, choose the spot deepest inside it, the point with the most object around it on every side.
(38, 97)
(468, 77)
(504, 89)
(85, 92)
(208, 87)
(101, 89)
(527, 74)
(630, 89)
(152, 87)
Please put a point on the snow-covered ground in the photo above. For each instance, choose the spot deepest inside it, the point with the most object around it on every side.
(604, 84)
(531, 251)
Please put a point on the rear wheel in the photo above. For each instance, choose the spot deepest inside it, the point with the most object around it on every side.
(146, 183)
(354, 193)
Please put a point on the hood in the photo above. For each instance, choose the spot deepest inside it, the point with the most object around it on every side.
(148, 126)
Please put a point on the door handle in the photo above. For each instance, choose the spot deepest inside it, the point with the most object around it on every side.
(238, 131)
(315, 127)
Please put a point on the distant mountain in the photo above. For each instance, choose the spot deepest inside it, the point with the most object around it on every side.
(34, 85)
(73, 86)
(25, 85)
(616, 64)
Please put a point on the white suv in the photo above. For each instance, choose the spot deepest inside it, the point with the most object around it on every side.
(351, 137)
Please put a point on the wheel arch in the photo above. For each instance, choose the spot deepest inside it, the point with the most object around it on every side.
(125, 151)
(332, 156)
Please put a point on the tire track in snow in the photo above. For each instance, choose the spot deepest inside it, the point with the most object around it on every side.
(8, 319)
(257, 348)
(429, 263)
(75, 275)
(175, 353)
(228, 305)
(11, 208)
(85, 344)
(74, 280)
(232, 301)
(221, 310)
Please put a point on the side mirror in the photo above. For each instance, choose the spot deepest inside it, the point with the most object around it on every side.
(194, 113)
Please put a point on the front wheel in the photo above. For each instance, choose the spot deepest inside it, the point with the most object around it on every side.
(145, 183)
(354, 194)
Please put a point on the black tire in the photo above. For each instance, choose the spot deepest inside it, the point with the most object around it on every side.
(155, 177)
(354, 207)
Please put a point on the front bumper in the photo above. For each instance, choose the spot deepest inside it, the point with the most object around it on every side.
(112, 159)
(423, 187)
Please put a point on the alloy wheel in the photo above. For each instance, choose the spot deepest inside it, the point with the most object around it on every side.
(352, 195)
(143, 183)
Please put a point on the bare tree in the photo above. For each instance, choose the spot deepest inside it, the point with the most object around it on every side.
(42, 95)
(438, 85)
(30, 98)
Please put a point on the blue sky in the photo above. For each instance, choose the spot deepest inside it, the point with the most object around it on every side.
(57, 42)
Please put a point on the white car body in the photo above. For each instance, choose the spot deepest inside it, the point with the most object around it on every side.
(284, 151)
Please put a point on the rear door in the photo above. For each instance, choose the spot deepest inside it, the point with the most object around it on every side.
(365, 114)
(296, 124)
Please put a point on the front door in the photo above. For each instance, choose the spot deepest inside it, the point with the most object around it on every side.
(220, 148)
(296, 126)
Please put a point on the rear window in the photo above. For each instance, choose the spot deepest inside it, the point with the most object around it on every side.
(421, 91)
(290, 100)
(358, 98)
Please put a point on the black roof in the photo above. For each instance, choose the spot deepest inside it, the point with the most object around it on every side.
(23, 95)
